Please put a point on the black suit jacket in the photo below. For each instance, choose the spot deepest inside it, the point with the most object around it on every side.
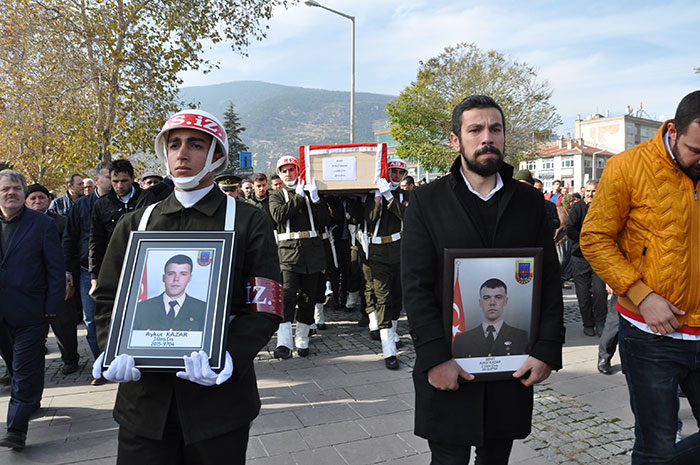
(472, 343)
(150, 314)
(444, 214)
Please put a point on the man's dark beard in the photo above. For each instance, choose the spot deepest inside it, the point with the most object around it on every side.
(695, 176)
(486, 167)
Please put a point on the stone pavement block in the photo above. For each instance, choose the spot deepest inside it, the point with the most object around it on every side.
(358, 379)
(409, 398)
(283, 443)
(388, 424)
(285, 459)
(419, 444)
(331, 396)
(275, 422)
(304, 387)
(84, 399)
(333, 434)
(380, 389)
(276, 391)
(586, 385)
(326, 414)
(78, 414)
(101, 427)
(522, 452)
(316, 372)
(374, 450)
(58, 453)
(371, 408)
(418, 459)
(322, 456)
(278, 404)
(255, 449)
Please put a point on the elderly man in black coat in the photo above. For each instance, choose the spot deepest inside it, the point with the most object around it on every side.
(477, 206)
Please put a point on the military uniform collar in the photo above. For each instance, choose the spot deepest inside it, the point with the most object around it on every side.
(207, 205)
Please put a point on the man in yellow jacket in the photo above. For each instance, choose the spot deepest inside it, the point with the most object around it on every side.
(642, 237)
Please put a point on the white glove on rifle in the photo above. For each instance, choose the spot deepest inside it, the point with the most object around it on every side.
(122, 370)
(313, 191)
(198, 371)
(385, 189)
(300, 187)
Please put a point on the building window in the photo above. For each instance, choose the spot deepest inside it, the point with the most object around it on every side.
(587, 163)
(548, 164)
(644, 132)
(531, 165)
(600, 163)
(567, 162)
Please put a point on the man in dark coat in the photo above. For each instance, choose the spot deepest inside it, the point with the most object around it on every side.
(493, 337)
(477, 206)
(195, 417)
(174, 309)
(32, 287)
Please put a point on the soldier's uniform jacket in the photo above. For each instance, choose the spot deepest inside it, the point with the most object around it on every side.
(390, 219)
(264, 203)
(299, 255)
(205, 412)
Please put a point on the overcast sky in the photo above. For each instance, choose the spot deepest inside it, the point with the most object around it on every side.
(597, 55)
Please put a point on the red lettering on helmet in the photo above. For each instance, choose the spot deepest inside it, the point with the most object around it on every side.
(176, 120)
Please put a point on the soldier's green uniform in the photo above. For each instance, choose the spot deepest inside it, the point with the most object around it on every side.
(145, 407)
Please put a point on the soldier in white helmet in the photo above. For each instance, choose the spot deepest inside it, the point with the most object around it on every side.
(384, 209)
(300, 217)
(195, 416)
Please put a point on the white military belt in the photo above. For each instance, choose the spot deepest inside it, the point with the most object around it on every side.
(386, 239)
(296, 235)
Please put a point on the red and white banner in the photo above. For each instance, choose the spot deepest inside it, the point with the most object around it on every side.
(458, 325)
(308, 151)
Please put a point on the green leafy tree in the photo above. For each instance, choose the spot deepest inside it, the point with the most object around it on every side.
(421, 115)
(234, 129)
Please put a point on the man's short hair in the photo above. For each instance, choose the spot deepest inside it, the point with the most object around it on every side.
(409, 180)
(592, 181)
(473, 101)
(246, 180)
(178, 260)
(100, 166)
(259, 177)
(557, 180)
(70, 180)
(274, 176)
(15, 176)
(122, 166)
(687, 112)
(493, 283)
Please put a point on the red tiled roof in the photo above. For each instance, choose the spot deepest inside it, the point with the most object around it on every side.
(575, 149)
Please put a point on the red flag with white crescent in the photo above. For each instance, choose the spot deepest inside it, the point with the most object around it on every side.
(143, 290)
(458, 325)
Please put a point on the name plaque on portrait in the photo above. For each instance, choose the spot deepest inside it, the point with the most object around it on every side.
(179, 339)
(340, 169)
(476, 365)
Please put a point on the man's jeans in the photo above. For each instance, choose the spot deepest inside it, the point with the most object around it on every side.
(654, 367)
(88, 311)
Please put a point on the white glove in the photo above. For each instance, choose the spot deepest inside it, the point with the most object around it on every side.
(385, 189)
(198, 371)
(122, 369)
(300, 188)
(312, 188)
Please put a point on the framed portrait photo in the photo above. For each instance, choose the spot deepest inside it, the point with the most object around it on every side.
(491, 308)
(172, 298)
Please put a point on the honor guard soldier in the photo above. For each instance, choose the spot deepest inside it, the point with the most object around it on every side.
(384, 209)
(229, 184)
(300, 216)
(194, 416)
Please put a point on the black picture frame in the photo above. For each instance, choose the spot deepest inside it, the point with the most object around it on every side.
(137, 329)
(468, 270)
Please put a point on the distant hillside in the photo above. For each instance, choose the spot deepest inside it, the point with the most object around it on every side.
(279, 118)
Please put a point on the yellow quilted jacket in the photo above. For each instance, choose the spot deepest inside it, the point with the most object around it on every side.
(642, 231)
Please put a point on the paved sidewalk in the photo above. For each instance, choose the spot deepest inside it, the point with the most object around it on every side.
(341, 406)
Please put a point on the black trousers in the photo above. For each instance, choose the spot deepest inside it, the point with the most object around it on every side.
(590, 293)
(228, 448)
(299, 289)
(493, 452)
(64, 328)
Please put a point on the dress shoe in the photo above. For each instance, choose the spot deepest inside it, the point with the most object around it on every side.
(364, 321)
(321, 326)
(391, 363)
(14, 440)
(312, 331)
(69, 368)
(589, 330)
(303, 352)
(98, 381)
(282, 352)
(374, 335)
(399, 343)
(604, 366)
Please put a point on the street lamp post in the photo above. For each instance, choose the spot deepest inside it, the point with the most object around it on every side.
(352, 63)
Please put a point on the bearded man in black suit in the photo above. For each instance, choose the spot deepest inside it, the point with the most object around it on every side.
(173, 309)
(493, 337)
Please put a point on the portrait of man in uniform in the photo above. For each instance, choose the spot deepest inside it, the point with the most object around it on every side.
(173, 309)
(493, 337)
